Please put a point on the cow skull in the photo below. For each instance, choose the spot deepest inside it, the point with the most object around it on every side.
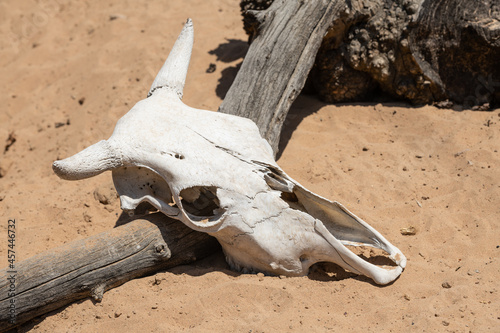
(216, 174)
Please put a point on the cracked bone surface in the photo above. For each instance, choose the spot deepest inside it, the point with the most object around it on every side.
(216, 174)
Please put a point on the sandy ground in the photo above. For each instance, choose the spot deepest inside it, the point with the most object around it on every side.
(69, 70)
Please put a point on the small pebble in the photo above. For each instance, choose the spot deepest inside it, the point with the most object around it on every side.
(446, 285)
(105, 194)
(87, 218)
(409, 231)
(211, 68)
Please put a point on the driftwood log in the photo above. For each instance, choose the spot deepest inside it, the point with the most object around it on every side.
(276, 66)
(91, 266)
(421, 51)
(272, 75)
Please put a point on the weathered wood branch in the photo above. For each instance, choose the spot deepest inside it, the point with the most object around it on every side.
(272, 75)
(280, 57)
(91, 266)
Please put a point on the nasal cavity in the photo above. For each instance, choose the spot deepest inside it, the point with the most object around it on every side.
(200, 201)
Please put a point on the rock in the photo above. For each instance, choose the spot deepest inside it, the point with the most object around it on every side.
(211, 68)
(87, 218)
(446, 285)
(105, 194)
(409, 231)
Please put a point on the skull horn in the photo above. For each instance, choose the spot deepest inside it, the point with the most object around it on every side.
(173, 73)
(89, 162)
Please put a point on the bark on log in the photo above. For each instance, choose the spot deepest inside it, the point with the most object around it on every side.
(422, 51)
(91, 266)
(280, 57)
(272, 75)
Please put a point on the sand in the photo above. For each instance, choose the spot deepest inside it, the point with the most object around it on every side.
(70, 69)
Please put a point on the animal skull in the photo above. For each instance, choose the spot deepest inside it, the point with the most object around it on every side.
(216, 174)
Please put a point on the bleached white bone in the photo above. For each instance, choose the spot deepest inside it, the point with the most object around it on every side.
(215, 173)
